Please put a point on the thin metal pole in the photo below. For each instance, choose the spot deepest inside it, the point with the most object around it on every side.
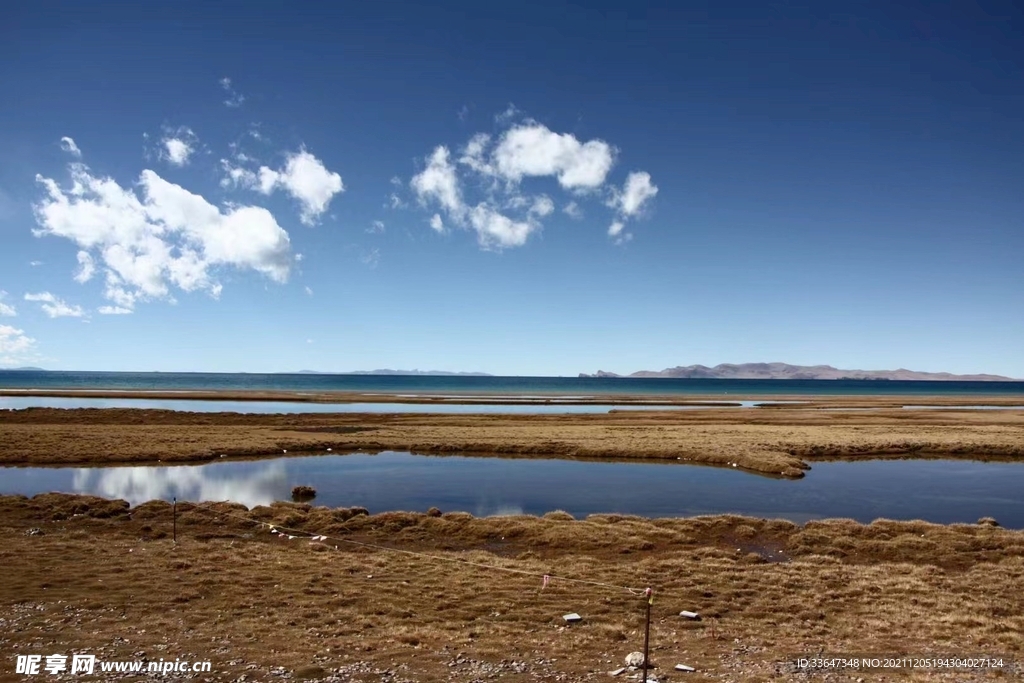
(647, 630)
(174, 513)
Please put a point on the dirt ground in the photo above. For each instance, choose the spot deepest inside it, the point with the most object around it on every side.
(83, 574)
(780, 441)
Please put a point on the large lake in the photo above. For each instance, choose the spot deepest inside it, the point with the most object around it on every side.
(943, 491)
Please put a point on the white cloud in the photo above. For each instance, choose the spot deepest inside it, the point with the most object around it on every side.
(474, 154)
(573, 210)
(35, 264)
(497, 170)
(54, 307)
(114, 310)
(309, 291)
(15, 346)
(510, 113)
(86, 267)
(439, 182)
(531, 149)
(178, 146)
(616, 230)
(376, 227)
(542, 206)
(497, 230)
(69, 146)
(6, 309)
(165, 236)
(234, 99)
(637, 191)
(303, 176)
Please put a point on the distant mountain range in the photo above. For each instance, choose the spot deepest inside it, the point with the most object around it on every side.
(434, 373)
(786, 371)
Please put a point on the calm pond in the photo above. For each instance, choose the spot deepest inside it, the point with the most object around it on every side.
(943, 491)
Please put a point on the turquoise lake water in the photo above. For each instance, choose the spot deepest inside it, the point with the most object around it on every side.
(406, 384)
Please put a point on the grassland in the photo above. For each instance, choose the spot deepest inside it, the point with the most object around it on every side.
(86, 574)
(97, 576)
(781, 441)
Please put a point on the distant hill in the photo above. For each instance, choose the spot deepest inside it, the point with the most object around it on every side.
(434, 373)
(786, 371)
(25, 369)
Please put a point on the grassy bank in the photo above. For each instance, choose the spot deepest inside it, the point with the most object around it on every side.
(772, 441)
(232, 592)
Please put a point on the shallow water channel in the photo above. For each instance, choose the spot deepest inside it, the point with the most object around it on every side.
(943, 491)
(270, 407)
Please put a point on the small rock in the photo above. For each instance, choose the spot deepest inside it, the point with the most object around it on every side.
(617, 672)
(572, 617)
(34, 532)
(683, 667)
(690, 615)
(635, 659)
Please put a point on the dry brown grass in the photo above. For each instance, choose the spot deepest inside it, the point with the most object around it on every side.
(772, 441)
(105, 577)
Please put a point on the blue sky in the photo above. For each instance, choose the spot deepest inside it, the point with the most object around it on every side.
(535, 188)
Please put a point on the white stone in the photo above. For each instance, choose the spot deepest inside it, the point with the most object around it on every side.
(572, 617)
(683, 667)
(635, 659)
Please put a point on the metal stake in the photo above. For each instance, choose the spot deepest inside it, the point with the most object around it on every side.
(174, 513)
(647, 630)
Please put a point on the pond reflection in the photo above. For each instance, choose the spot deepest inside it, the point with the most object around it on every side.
(943, 491)
(260, 485)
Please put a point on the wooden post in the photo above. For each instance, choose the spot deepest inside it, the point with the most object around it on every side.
(174, 515)
(647, 630)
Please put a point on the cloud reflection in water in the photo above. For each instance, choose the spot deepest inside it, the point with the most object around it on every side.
(261, 485)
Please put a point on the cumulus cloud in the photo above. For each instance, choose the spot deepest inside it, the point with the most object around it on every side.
(69, 146)
(637, 191)
(532, 149)
(6, 309)
(234, 98)
(54, 307)
(303, 176)
(114, 310)
(439, 182)
(500, 170)
(15, 346)
(177, 146)
(376, 227)
(157, 237)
